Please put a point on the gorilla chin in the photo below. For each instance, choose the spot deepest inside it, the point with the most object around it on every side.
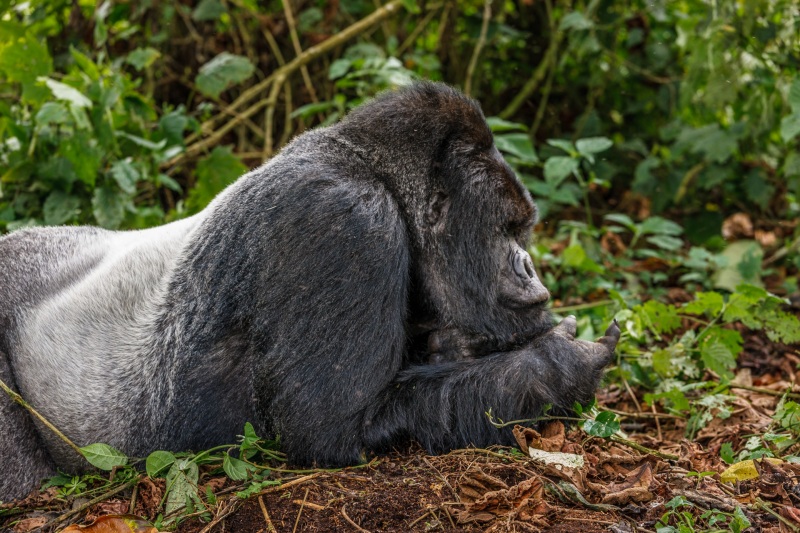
(366, 286)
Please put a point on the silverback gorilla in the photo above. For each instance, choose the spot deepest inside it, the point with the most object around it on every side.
(367, 286)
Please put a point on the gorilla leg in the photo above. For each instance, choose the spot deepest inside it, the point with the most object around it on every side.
(444, 406)
(23, 460)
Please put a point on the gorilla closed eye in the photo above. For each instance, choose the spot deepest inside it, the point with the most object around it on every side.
(310, 298)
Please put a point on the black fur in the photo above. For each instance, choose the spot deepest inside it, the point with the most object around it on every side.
(303, 299)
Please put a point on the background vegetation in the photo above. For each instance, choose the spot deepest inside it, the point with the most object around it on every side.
(661, 140)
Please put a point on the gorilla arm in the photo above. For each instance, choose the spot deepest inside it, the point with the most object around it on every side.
(443, 406)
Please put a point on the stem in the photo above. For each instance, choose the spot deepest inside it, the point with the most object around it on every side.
(473, 62)
(18, 399)
(581, 307)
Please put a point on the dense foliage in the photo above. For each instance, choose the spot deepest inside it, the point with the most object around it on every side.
(661, 140)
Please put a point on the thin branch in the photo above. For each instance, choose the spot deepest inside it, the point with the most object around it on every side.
(258, 89)
(351, 522)
(287, 10)
(21, 401)
(473, 62)
(416, 32)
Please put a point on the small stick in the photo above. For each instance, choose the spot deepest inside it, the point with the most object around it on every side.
(350, 521)
(297, 520)
(644, 449)
(473, 62)
(91, 502)
(291, 483)
(270, 527)
(18, 399)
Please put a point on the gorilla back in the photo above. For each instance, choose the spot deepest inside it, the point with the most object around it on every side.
(297, 300)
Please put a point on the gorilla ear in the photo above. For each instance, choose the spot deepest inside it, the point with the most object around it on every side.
(437, 209)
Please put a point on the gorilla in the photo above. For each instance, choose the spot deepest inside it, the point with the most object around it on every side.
(367, 286)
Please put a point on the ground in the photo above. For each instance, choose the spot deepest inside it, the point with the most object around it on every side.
(620, 488)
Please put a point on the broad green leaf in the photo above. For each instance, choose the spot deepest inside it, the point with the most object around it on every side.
(412, 6)
(141, 58)
(717, 144)
(234, 468)
(705, 303)
(339, 68)
(518, 144)
(593, 145)
(182, 486)
(62, 91)
(60, 207)
(141, 141)
(718, 358)
(157, 462)
(312, 109)
(575, 21)
(567, 146)
(85, 63)
(103, 456)
(743, 265)
(108, 206)
(173, 125)
(25, 60)
(726, 452)
(84, 156)
(221, 72)
(794, 95)
(788, 416)
(125, 174)
(208, 10)
(666, 242)
(214, 173)
(659, 317)
(658, 225)
(53, 113)
(604, 425)
(573, 256)
(498, 125)
(790, 126)
(557, 168)
(622, 219)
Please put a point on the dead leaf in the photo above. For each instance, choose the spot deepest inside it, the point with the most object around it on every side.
(29, 524)
(737, 226)
(114, 524)
(635, 488)
(551, 439)
(791, 513)
(612, 243)
(522, 501)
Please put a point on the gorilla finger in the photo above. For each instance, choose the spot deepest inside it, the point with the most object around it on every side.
(613, 329)
(567, 327)
(611, 337)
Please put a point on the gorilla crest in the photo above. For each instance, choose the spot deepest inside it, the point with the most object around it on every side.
(367, 286)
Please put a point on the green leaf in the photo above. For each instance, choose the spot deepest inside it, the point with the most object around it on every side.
(256, 487)
(141, 58)
(249, 439)
(312, 109)
(141, 141)
(790, 126)
(221, 72)
(788, 416)
(518, 144)
(573, 256)
(659, 317)
(84, 157)
(743, 265)
(235, 469)
(157, 462)
(60, 207)
(339, 68)
(622, 219)
(604, 425)
(718, 358)
(412, 6)
(108, 206)
(62, 91)
(705, 303)
(557, 168)
(126, 175)
(182, 486)
(716, 144)
(593, 145)
(794, 95)
(85, 63)
(24, 60)
(566, 146)
(575, 21)
(214, 173)
(660, 226)
(666, 242)
(498, 125)
(208, 10)
(53, 113)
(726, 452)
(103, 456)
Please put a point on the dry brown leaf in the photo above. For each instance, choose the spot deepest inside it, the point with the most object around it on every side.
(114, 524)
(736, 226)
(791, 513)
(635, 488)
(551, 439)
(522, 501)
(29, 524)
(612, 243)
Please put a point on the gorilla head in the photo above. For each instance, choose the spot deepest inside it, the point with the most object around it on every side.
(366, 286)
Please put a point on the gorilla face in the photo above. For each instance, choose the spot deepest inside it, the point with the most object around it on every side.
(481, 279)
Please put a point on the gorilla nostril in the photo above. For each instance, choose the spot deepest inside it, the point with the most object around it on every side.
(529, 266)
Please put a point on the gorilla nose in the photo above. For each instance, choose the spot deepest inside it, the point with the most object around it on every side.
(523, 268)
